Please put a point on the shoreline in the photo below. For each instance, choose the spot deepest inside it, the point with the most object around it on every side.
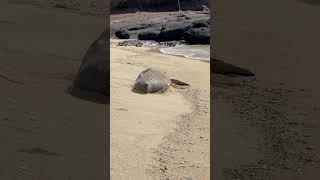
(161, 48)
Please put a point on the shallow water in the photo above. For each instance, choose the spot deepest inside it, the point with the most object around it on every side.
(198, 52)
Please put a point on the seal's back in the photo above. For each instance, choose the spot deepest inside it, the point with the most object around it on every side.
(150, 81)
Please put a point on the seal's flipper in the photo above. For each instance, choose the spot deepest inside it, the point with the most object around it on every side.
(178, 84)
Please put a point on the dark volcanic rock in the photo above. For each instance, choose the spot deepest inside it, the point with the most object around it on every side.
(195, 25)
(139, 27)
(172, 33)
(197, 36)
(156, 5)
(201, 23)
(134, 42)
(93, 75)
(148, 36)
(122, 34)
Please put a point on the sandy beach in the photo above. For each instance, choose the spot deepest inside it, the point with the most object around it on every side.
(158, 135)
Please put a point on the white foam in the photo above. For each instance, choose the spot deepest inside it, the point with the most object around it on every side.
(191, 53)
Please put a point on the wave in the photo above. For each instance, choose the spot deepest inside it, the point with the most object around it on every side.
(191, 52)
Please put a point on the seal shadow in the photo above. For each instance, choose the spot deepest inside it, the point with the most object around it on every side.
(88, 96)
(138, 92)
(162, 91)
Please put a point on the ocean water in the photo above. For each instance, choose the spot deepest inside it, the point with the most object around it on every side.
(197, 52)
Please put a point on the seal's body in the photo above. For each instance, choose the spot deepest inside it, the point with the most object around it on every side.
(150, 81)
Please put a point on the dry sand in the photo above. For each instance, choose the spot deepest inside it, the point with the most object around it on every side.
(45, 133)
(158, 135)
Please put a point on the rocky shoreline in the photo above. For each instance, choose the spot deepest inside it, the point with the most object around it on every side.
(190, 27)
(125, 6)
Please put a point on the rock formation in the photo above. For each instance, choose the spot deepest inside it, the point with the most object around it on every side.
(157, 5)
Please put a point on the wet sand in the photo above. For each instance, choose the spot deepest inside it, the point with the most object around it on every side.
(197, 52)
(158, 135)
(267, 127)
(44, 132)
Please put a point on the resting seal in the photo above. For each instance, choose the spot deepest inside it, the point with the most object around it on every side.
(150, 81)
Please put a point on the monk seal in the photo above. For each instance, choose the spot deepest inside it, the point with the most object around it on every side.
(151, 81)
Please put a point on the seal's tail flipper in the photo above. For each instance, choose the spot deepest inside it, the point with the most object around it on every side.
(178, 84)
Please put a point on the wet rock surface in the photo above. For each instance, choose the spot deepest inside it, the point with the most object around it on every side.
(197, 35)
(201, 23)
(144, 43)
(122, 34)
(148, 36)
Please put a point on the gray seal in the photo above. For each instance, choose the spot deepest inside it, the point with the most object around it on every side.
(151, 81)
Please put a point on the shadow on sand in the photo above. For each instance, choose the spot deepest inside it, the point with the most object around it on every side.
(89, 96)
